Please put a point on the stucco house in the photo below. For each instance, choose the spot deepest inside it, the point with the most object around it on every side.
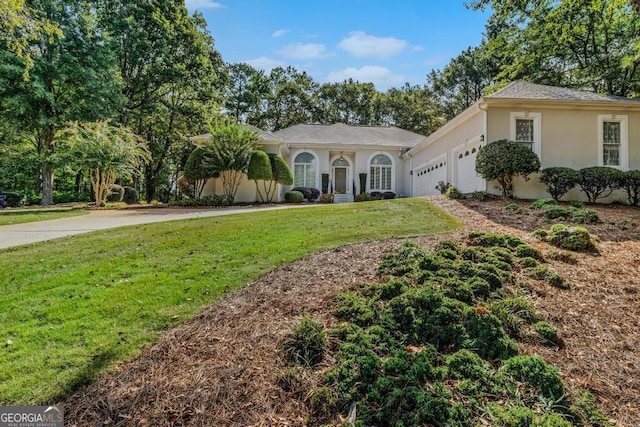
(564, 127)
(342, 152)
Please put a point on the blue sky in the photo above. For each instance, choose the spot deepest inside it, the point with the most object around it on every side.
(384, 42)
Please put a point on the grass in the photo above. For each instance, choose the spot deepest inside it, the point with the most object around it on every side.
(8, 217)
(74, 308)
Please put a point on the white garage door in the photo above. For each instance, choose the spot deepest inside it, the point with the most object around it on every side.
(426, 179)
(467, 180)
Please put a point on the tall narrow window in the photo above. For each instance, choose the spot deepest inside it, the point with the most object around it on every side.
(613, 140)
(525, 132)
(304, 170)
(526, 129)
(381, 170)
(611, 143)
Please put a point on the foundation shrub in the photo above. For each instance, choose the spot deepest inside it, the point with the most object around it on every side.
(630, 182)
(599, 181)
(305, 344)
(559, 180)
(293, 197)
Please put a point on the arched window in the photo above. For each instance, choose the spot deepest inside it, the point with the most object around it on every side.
(381, 169)
(304, 170)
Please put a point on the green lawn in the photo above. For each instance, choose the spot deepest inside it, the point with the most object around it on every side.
(18, 217)
(73, 308)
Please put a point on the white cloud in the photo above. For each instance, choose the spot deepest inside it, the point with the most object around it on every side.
(304, 51)
(381, 77)
(279, 33)
(203, 4)
(264, 63)
(359, 43)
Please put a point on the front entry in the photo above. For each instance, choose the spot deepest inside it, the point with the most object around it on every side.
(340, 179)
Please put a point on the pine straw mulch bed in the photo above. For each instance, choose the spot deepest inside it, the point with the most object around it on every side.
(222, 367)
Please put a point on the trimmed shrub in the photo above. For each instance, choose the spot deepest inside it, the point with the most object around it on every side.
(259, 166)
(565, 237)
(548, 334)
(305, 344)
(630, 182)
(503, 160)
(387, 195)
(131, 196)
(326, 198)
(543, 203)
(363, 182)
(559, 180)
(556, 212)
(536, 373)
(599, 181)
(293, 197)
(305, 191)
(584, 216)
(325, 183)
(280, 171)
(116, 194)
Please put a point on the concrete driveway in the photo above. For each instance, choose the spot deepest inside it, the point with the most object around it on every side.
(32, 232)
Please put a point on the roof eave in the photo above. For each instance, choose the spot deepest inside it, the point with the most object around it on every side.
(563, 103)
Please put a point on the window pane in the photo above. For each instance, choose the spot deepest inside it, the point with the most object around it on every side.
(298, 175)
(524, 130)
(386, 180)
(375, 178)
(611, 132)
(381, 159)
(305, 158)
(611, 155)
(310, 176)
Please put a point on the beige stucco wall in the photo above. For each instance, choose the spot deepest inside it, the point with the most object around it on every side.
(568, 138)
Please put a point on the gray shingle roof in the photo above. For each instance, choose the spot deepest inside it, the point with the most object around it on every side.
(341, 134)
(263, 135)
(525, 90)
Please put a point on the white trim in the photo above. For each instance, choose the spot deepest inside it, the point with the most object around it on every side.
(537, 128)
(624, 139)
(293, 162)
(393, 170)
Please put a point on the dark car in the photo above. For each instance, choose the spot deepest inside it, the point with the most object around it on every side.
(3, 200)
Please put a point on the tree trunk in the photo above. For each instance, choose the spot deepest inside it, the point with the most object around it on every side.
(47, 168)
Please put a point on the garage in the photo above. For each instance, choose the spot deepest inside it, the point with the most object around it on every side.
(426, 178)
(467, 180)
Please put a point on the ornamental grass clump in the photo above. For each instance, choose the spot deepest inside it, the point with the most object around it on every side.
(305, 344)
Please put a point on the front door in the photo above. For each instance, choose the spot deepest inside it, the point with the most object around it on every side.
(340, 179)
